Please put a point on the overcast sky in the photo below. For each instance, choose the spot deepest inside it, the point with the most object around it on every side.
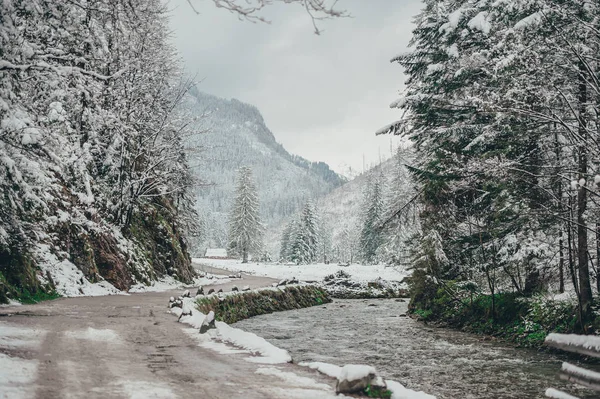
(323, 97)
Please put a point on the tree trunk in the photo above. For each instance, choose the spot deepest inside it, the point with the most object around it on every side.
(561, 262)
(244, 255)
(561, 245)
(585, 288)
(598, 256)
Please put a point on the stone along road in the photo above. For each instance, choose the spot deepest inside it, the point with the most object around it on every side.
(129, 346)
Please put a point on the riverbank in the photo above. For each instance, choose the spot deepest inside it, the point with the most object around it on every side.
(522, 321)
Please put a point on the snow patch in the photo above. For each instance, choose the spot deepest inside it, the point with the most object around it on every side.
(92, 334)
(314, 272)
(11, 302)
(147, 390)
(292, 379)
(351, 372)
(589, 342)
(530, 21)
(250, 342)
(400, 392)
(17, 375)
(68, 279)
(330, 370)
(269, 353)
(480, 22)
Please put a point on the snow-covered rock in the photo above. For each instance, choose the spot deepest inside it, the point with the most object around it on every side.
(354, 378)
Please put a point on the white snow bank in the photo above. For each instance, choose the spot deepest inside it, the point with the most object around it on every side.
(580, 372)
(325, 368)
(269, 354)
(92, 334)
(206, 341)
(292, 379)
(400, 392)
(358, 371)
(314, 272)
(590, 342)
(351, 372)
(556, 394)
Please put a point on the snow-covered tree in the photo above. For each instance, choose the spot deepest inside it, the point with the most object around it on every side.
(303, 244)
(348, 247)
(245, 228)
(90, 132)
(371, 236)
(502, 107)
(286, 240)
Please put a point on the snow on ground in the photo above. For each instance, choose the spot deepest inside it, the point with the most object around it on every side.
(168, 283)
(71, 282)
(591, 342)
(146, 390)
(269, 354)
(10, 303)
(68, 279)
(92, 334)
(252, 342)
(556, 394)
(18, 374)
(17, 377)
(400, 392)
(315, 272)
(351, 372)
(354, 371)
(292, 379)
(325, 368)
(248, 343)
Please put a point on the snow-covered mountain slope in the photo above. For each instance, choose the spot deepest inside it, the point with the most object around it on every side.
(340, 211)
(234, 134)
(342, 208)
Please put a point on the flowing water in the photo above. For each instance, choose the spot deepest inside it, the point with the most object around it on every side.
(442, 362)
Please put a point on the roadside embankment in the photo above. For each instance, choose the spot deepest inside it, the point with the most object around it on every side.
(239, 306)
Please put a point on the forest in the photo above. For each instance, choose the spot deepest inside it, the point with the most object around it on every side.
(502, 104)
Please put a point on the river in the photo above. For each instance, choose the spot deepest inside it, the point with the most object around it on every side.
(443, 362)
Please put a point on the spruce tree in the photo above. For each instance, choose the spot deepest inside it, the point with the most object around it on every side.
(245, 229)
(304, 236)
(286, 241)
(371, 236)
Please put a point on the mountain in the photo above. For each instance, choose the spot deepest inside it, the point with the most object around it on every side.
(232, 134)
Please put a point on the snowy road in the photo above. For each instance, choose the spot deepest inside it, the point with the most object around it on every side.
(129, 346)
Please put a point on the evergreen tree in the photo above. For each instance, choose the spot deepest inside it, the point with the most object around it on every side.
(499, 107)
(371, 236)
(245, 229)
(286, 241)
(304, 236)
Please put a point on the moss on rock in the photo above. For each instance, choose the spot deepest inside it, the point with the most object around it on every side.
(18, 278)
(244, 305)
